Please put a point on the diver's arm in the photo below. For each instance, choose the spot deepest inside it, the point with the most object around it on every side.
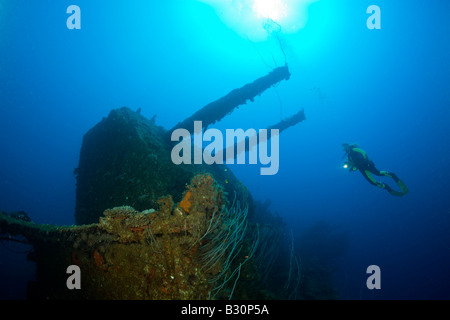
(350, 165)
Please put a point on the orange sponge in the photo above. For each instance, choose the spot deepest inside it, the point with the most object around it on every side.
(186, 203)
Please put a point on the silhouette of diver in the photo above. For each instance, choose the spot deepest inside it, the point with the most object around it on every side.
(357, 159)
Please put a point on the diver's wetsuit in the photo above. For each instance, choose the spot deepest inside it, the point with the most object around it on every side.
(358, 160)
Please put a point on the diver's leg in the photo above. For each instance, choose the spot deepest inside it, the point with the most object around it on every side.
(389, 175)
(372, 169)
(368, 176)
(383, 185)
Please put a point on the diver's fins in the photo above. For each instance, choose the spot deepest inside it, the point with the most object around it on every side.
(402, 186)
(395, 193)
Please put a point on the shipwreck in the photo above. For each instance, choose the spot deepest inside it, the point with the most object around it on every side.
(147, 228)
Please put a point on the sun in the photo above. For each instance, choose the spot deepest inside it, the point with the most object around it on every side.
(270, 9)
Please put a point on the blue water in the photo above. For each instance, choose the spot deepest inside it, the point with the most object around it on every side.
(388, 90)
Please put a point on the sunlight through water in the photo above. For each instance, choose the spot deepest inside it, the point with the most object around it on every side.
(249, 17)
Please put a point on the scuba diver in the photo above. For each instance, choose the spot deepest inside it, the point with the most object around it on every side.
(357, 159)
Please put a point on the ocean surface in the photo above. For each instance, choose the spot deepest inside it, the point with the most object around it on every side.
(386, 89)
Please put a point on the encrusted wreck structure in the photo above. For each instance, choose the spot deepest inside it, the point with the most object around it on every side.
(150, 229)
(182, 251)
